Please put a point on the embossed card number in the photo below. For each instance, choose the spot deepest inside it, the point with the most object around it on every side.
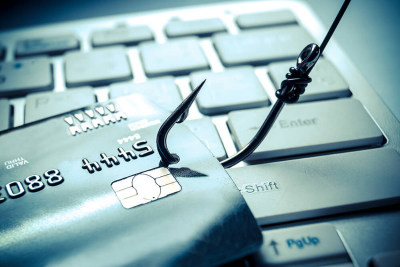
(111, 161)
(34, 183)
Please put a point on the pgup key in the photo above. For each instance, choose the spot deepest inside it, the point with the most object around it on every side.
(312, 244)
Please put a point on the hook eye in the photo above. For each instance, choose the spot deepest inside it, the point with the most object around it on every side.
(307, 59)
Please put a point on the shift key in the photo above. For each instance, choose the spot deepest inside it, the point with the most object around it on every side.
(307, 128)
(320, 186)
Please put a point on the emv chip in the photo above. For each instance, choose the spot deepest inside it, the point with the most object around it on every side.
(145, 187)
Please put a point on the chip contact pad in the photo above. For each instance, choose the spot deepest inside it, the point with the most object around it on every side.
(145, 187)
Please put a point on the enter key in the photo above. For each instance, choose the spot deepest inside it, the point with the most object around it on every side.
(304, 245)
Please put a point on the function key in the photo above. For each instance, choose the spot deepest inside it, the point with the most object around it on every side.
(51, 46)
(327, 81)
(264, 19)
(4, 114)
(202, 27)
(99, 67)
(261, 46)
(163, 91)
(44, 105)
(122, 35)
(177, 57)
(233, 89)
(25, 76)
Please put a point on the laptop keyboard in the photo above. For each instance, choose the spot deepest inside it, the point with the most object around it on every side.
(244, 57)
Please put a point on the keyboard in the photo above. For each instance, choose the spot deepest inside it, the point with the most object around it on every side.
(323, 186)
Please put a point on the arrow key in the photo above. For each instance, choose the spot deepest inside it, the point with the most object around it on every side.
(312, 244)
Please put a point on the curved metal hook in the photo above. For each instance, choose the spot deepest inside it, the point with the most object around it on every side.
(178, 116)
(291, 89)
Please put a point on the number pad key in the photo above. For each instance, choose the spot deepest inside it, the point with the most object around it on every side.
(122, 35)
(43, 105)
(176, 57)
(261, 46)
(204, 27)
(99, 67)
(233, 89)
(21, 77)
(162, 91)
(326, 80)
(263, 19)
(50, 46)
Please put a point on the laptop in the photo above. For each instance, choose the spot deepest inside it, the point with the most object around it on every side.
(81, 103)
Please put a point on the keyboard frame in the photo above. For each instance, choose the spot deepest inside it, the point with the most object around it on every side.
(157, 19)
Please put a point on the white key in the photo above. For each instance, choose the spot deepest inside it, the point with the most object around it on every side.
(25, 76)
(311, 244)
(307, 128)
(98, 67)
(320, 186)
(326, 80)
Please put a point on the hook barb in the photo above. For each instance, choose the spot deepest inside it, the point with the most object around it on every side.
(179, 115)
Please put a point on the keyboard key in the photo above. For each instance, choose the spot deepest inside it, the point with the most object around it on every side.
(43, 105)
(320, 186)
(271, 18)
(202, 27)
(327, 82)
(4, 114)
(177, 57)
(99, 67)
(51, 46)
(307, 128)
(2, 52)
(261, 46)
(312, 244)
(122, 35)
(162, 91)
(21, 77)
(233, 89)
(205, 130)
(386, 259)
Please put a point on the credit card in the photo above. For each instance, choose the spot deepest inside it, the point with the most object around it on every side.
(86, 189)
